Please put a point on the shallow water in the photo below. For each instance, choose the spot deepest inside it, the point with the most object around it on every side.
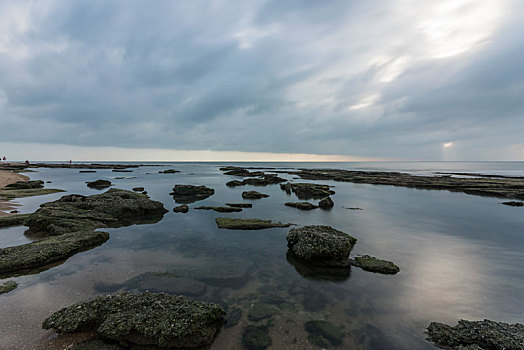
(460, 257)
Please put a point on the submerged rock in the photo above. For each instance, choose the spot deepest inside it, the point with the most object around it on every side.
(514, 203)
(307, 190)
(322, 333)
(247, 224)
(301, 205)
(240, 205)
(188, 193)
(477, 335)
(253, 195)
(317, 273)
(372, 264)
(181, 209)
(326, 203)
(165, 282)
(8, 286)
(321, 245)
(234, 315)
(99, 184)
(261, 311)
(256, 338)
(148, 319)
(221, 209)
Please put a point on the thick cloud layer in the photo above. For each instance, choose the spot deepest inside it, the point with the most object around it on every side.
(436, 79)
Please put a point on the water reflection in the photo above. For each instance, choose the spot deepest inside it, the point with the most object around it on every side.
(318, 273)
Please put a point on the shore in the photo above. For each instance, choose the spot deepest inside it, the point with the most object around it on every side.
(6, 178)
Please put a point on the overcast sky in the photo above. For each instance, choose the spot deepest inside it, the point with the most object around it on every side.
(403, 79)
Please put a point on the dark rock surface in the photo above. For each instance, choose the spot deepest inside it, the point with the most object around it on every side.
(13, 220)
(321, 245)
(181, 209)
(24, 185)
(301, 205)
(372, 264)
(307, 190)
(240, 205)
(256, 338)
(253, 195)
(326, 203)
(234, 183)
(221, 209)
(148, 319)
(234, 315)
(188, 193)
(247, 224)
(477, 335)
(514, 204)
(8, 286)
(87, 171)
(138, 189)
(169, 171)
(99, 184)
(317, 273)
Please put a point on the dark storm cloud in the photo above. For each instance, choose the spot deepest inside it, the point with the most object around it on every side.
(372, 79)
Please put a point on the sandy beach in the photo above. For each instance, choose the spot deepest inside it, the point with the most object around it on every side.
(6, 178)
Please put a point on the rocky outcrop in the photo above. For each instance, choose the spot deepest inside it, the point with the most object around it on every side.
(148, 319)
(307, 190)
(253, 195)
(372, 264)
(13, 220)
(240, 205)
(247, 224)
(8, 286)
(169, 171)
(301, 205)
(326, 203)
(477, 335)
(234, 183)
(99, 184)
(181, 209)
(321, 245)
(24, 185)
(514, 204)
(188, 193)
(221, 209)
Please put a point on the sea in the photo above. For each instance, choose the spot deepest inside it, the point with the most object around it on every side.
(460, 257)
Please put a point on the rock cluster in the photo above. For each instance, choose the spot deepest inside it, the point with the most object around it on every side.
(307, 190)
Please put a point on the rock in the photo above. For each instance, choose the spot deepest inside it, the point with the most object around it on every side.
(148, 319)
(24, 185)
(260, 311)
(253, 195)
(326, 203)
(477, 335)
(138, 189)
(372, 264)
(169, 171)
(121, 171)
(48, 250)
(307, 190)
(301, 205)
(87, 171)
(13, 220)
(8, 286)
(221, 209)
(99, 184)
(29, 192)
(165, 282)
(188, 193)
(256, 338)
(352, 208)
(321, 332)
(514, 204)
(234, 315)
(144, 192)
(247, 224)
(181, 209)
(321, 245)
(234, 183)
(240, 205)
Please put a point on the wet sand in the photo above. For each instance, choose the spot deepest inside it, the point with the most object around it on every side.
(6, 178)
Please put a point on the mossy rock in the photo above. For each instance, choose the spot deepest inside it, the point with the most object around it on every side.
(247, 224)
(186, 194)
(181, 209)
(307, 190)
(319, 330)
(8, 286)
(13, 220)
(372, 264)
(148, 319)
(326, 203)
(256, 338)
(31, 192)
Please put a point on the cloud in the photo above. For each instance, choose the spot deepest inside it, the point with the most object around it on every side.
(373, 79)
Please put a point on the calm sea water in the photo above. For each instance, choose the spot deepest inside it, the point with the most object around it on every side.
(461, 256)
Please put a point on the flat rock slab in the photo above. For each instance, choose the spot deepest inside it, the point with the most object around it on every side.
(372, 264)
(321, 245)
(221, 209)
(148, 319)
(13, 220)
(477, 335)
(240, 205)
(186, 194)
(247, 224)
(301, 205)
(253, 195)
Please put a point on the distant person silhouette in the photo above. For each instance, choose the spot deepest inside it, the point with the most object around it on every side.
(4, 158)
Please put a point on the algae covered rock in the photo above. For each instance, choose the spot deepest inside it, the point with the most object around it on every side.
(321, 245)
(138, 189)
(256, 338)
(307, 190)
(99, 184)
(234, 183)
(233, 317)
(13, 220)
(188, 193)
(148, 319)
(477, 335)
(326, 203)
(8, 286)
(181, 209)
(301, 205)
(24, 185)
(253, 195)
(323, 332)
(372, 264)
(240, 205)
(514, 204)
(247, 224)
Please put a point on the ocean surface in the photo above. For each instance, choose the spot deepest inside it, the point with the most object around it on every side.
(461, 257)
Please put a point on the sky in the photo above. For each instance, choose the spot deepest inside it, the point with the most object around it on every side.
(262, 80)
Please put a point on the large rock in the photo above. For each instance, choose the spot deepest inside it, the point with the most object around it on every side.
(148, 319)
(307, 190)
(247, 224)
(99, 184)
(188, 193)
(13, 220)
(326, 203)
(253, 195)
(477, 335)
(372, 264)
(321, 245)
